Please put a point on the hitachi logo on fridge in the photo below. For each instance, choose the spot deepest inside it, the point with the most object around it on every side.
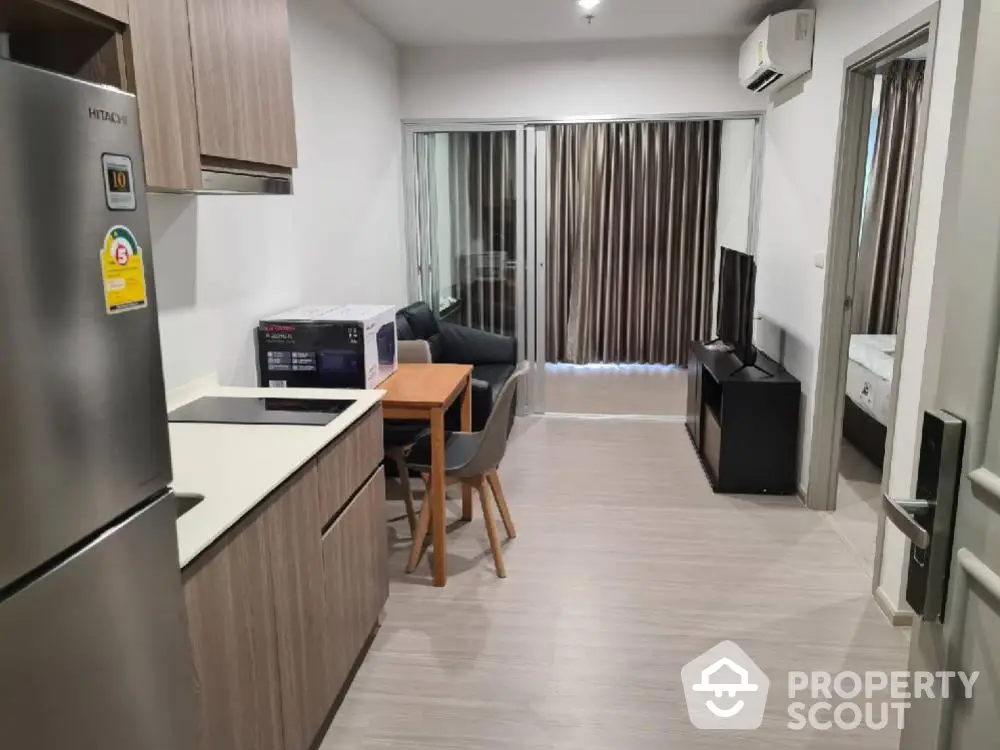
(105, 115)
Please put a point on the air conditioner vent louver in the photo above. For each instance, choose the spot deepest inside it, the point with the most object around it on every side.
(764, 80)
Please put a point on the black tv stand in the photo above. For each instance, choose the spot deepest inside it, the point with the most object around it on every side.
(744, 422)
(756, 367)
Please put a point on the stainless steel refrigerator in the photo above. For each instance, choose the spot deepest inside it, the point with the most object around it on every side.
(94, 651)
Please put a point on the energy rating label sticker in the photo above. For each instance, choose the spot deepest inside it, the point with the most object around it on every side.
(122, 271)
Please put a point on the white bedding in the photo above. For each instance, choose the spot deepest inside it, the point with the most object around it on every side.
(869, 374)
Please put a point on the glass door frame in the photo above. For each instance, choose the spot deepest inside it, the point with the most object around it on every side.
(420, 270)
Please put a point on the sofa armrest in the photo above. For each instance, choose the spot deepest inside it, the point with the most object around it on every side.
(467, 346)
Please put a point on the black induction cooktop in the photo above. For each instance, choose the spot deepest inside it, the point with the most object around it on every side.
(280, 411)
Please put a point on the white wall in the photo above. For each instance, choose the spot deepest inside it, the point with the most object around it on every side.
(221, 263)
(801, 134)
(735, 183)
(349, 207)
(551, 81)
(224, 261)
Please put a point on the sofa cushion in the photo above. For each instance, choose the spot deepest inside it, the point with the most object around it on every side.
(464, 345)
(403, 330)
(421, 319)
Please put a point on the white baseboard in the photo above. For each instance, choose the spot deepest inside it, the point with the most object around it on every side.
(898, 618)
(616, 417)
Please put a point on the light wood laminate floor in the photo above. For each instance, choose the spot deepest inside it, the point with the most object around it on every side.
(646, 390)
(859, 497)
(626, 567)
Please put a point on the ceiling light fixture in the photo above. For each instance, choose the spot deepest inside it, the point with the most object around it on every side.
(588, 4)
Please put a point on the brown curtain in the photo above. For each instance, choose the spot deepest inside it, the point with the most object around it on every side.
(889, 197)
(632, 216)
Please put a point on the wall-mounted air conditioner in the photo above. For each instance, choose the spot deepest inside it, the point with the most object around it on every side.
(778, 51)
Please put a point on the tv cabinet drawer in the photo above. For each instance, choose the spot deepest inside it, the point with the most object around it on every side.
(711, 441)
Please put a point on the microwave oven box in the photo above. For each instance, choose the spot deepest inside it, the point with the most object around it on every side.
(332, 346)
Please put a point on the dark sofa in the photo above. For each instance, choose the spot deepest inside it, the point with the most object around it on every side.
(493, 357)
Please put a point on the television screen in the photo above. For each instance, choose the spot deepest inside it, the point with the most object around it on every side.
(737, 276)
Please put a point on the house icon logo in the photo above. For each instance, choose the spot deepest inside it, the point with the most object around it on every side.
(724, 689)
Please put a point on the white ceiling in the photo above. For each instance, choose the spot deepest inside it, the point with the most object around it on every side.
(438, 22)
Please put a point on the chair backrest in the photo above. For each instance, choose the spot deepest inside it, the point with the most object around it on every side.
(413, 352)
(493, 438)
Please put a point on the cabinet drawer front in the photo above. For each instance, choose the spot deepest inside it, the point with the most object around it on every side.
(345, 465)
(356, 571)
(296, 563)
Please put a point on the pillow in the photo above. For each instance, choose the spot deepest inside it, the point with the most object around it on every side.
(421, 320)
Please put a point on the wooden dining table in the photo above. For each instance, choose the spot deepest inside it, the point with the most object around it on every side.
(424, 392)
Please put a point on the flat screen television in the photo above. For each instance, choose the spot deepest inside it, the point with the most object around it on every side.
(737, 276)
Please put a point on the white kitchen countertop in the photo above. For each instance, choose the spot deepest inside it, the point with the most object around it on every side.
(236, 466)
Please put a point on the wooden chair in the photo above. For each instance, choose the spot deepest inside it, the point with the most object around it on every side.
(471, 459)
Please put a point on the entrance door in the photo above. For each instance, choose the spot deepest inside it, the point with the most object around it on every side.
(969, 387)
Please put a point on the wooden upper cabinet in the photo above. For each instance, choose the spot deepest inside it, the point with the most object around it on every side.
(159, 52)
(243, 80)
(117, 9)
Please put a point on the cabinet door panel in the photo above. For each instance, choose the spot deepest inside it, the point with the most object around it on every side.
(162, 79)
(294, 533)
(348, 462)
(230, 609)
(243, 80)
(117, 9)
(355, 564)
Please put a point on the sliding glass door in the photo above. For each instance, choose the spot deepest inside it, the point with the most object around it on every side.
(466, 217)
(593, 243)
(466, 206)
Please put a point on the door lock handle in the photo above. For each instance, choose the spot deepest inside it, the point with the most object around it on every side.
(901, 512)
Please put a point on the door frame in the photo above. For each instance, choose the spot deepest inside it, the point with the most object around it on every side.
(842, 250)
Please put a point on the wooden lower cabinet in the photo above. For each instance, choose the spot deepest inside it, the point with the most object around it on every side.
(355, 565)
(292, 525)
(279, 612)
(346, 464)
(230, 606)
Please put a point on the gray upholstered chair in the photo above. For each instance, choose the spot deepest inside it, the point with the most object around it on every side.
(397, 436)
(472, 458)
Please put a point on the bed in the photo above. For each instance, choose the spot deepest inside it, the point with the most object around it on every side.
(868, 398)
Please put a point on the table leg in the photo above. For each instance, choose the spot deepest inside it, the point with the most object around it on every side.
(467, 427)
(439, 520)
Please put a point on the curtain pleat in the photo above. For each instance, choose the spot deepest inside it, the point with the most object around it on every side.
(631, 240)
(883, 234)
